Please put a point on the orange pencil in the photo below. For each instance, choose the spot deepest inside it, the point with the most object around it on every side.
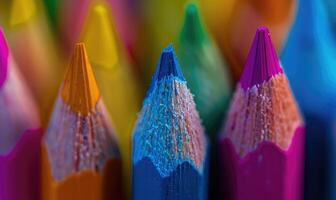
(80, 157)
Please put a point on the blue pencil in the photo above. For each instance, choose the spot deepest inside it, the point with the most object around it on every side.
(169, 144)
(310, 63)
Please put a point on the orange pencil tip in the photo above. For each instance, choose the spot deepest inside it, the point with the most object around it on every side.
(80, 90)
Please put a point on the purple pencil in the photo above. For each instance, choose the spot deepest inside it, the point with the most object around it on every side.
(263, 138)
(20, 135)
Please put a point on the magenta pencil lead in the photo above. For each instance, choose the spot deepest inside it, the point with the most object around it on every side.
(262, 61)
(263, 138)
(20, 135)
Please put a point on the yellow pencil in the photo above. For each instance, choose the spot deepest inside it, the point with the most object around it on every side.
(115, 79)
(161, 21)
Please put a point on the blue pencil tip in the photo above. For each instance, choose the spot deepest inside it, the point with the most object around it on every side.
(168, 65)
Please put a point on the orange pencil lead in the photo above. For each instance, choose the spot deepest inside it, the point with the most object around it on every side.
(80, 89)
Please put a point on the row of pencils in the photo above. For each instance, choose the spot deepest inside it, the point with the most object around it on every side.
(218, 118)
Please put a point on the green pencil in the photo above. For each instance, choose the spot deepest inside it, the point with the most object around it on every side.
(204, 70)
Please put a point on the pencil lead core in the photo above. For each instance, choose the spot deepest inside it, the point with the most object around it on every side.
(22, 11)
(168, 65)
(80, 89)
(99, 37)
(4, 52)
(262, 61)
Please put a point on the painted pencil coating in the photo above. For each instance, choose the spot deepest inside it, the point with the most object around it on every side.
(80, 157)
(205, 70)
(119, 87)
(169, 145)
(19, 134)
(263, 140)
(265, 169)
(309, 60)
(20, 168)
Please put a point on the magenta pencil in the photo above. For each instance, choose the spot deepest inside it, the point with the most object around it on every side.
(20, 135)
(263, 138)
(71, 20)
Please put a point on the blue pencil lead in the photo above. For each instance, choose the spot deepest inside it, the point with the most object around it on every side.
(167, 66)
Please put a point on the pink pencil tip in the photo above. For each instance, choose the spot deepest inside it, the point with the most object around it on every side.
(263, 28)
(262, 62)
(3, 57)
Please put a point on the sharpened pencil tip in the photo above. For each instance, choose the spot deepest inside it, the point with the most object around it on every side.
(80, 90)
(168, 65)
(4, 52)
(262, 62)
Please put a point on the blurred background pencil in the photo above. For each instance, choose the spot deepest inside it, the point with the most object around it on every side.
(20, 135)
(119, 87)
(80, 157)
(263, 140)
(235, 34)
(330, 6)
(169, 144)
(36, 52)
(309, 60)
(204, 69)
(160, 22)
(208, 79)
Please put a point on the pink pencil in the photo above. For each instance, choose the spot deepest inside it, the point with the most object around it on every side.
(263, 139)
(19, 133)
(75, 13)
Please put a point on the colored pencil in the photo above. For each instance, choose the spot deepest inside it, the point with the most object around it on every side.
(20, 135)
(118, 85)
(36, 52)
(235, 32)
(309, 60)
(262, 145)
(80, 157)
(169, 145)
(204, 70)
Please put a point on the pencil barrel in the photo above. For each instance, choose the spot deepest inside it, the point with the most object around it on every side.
(268, 172)
(85, 185)
(20, 169)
